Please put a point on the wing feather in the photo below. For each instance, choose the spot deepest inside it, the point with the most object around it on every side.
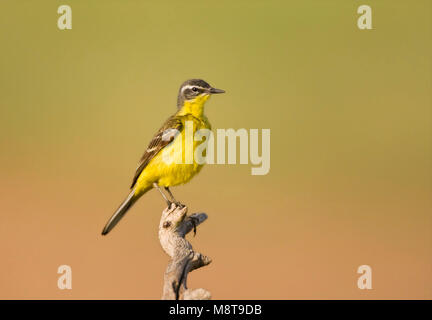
(161, 139)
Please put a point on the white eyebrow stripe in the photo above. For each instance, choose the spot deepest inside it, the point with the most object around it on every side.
(190, 87)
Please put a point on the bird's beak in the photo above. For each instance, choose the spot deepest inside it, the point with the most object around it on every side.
(214, 90)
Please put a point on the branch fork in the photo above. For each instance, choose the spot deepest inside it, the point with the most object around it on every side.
(174, 225)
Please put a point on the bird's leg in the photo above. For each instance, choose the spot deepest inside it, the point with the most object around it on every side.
(163, 195)
(178, 203)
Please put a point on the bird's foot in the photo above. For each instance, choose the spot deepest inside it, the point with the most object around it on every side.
(179, 204)
(175, 203)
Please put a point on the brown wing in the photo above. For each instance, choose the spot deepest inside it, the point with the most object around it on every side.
(162, 138)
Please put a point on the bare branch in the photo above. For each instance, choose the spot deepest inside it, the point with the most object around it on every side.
(174, 226)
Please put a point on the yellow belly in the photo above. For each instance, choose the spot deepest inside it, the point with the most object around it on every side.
(178, 171)
(175, 173)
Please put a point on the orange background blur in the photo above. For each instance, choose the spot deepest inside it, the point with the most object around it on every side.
(351, 146)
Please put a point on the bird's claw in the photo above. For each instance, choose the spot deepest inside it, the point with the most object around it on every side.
(177, 204)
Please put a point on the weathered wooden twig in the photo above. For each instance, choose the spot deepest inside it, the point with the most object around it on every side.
(173, 227)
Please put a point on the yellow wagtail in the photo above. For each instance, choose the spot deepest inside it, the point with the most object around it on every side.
(153, 170)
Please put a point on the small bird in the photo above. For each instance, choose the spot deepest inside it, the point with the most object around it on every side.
(153, 170)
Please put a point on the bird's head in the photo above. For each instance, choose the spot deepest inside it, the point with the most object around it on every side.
(195, 92)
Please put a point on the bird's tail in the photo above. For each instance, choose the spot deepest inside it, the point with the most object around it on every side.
(121, 211)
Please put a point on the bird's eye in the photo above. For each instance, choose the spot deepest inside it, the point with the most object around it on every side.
(195, 89)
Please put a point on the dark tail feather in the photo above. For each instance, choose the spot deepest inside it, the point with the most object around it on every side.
(121, 211)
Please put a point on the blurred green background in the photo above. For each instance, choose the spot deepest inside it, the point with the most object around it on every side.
(351, 146)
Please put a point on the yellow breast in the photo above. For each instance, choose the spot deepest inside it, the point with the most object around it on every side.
(174, 164)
